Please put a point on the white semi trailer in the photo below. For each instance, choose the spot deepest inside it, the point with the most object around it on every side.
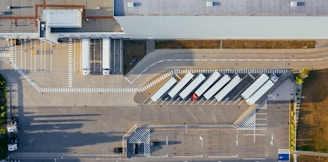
(106, 56)
(178, 87)
(170, 83)
(217, 86)
(259, 93)
(229, 87)
(192, 86)
(255, 86)
(211, 80)
(86, 56)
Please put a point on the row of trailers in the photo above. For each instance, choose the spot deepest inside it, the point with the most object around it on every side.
(217, 85)
(105, 56)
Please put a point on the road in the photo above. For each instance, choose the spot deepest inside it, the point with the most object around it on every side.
(162, 60)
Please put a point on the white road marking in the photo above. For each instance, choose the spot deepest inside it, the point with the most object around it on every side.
(196, 156)
(223, 157)
(261, 124)
(199, 100)
(225, 101)
(253, 158)
(254, 134)
(237, 100)
(174, 102)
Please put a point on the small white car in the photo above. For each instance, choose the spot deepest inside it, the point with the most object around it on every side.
(12, 147)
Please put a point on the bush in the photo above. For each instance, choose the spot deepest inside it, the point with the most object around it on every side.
(2, 131)
(3, 114)
(3, 108)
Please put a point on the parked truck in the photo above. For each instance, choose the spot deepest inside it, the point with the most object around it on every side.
(106, 56)
(86, 56)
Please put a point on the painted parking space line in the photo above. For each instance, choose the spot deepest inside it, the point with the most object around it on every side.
(201, 99)
(187, 101)
(204, 102)
(241, 102)
(254, 159)
(254, 134)
(224, 157)
(180, 101)
(237, 100)
(225, 100)
(212, 101)
(229, 102)
(168, 102)
(174, 102)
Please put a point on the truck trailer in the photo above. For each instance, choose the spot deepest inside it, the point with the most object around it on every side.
(259, 93)
(210, 80)
(192, 86)
(255, 86)
(178, 87)
(163, 89)
(217, 86)
(229, 87)
(86, 56)
(106, 56)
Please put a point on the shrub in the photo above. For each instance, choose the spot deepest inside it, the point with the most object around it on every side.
(3, 114)
(2, 131)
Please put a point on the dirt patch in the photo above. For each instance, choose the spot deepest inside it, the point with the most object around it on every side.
(186, 44)
(235, 44)
(133, 52)
(268, 44)
(312, 132)
(303, 158)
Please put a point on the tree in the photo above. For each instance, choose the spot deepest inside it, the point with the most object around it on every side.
(299, 80)
(304, 73)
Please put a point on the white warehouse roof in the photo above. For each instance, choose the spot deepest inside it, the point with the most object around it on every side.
(63, 18)
(225, 27)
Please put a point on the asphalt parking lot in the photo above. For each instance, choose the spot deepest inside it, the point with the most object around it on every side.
(232, 98)
(269, 132)
(88, 123)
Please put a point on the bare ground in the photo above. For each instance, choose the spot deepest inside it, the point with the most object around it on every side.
(312, 132)
(235, 44)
